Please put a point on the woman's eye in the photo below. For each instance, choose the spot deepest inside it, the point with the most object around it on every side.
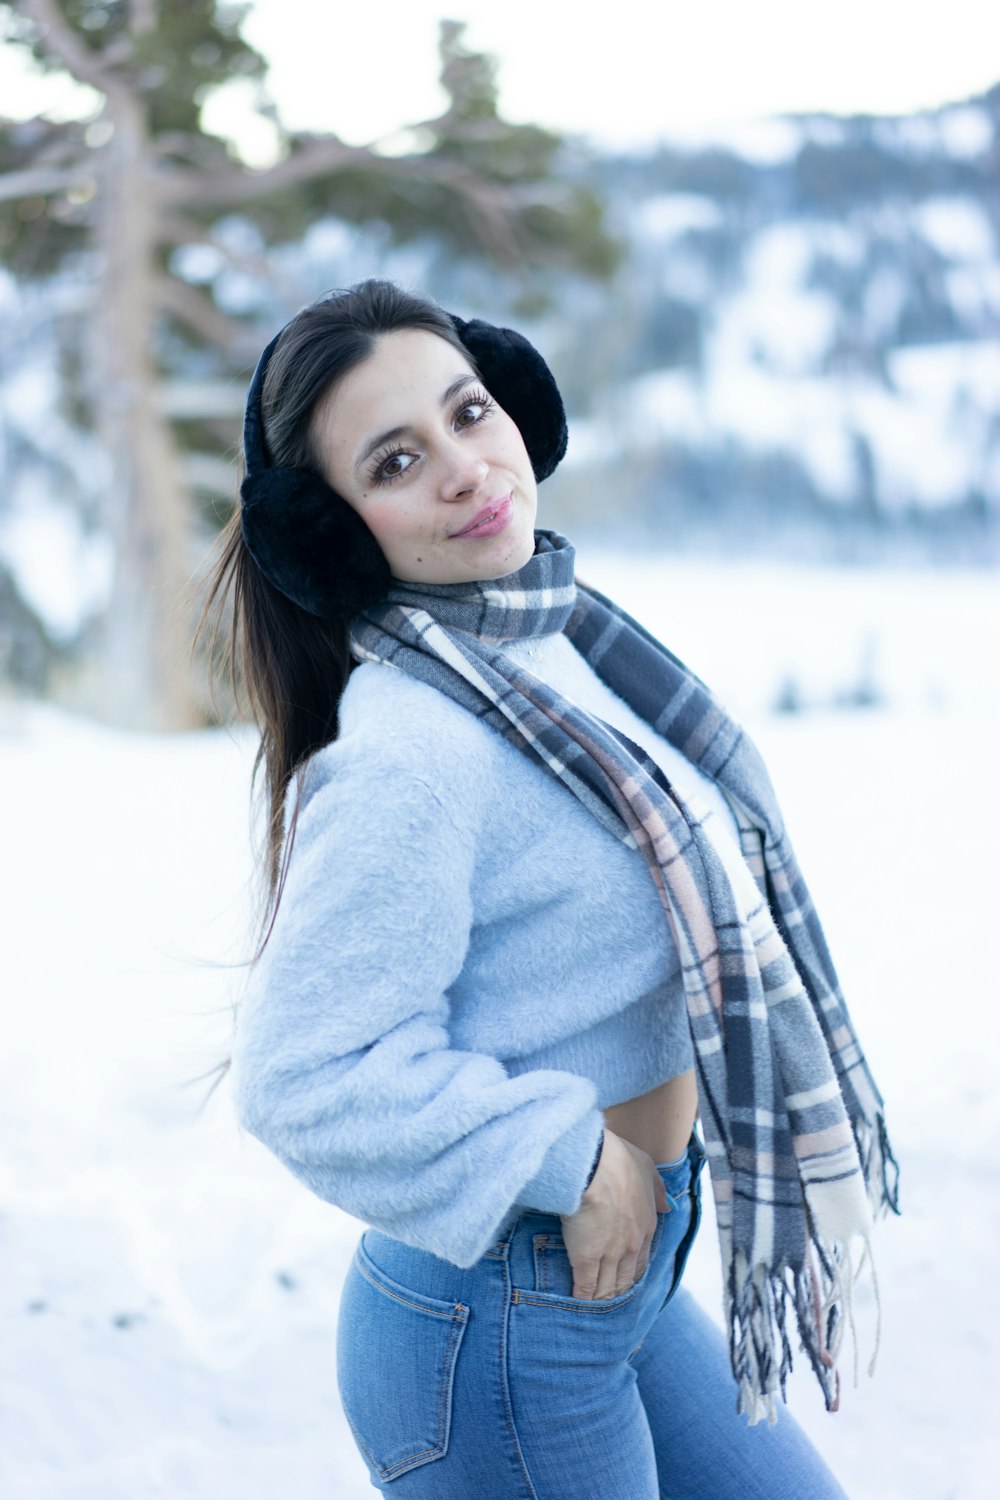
(470, 414)
(474, 410)
(393, 466)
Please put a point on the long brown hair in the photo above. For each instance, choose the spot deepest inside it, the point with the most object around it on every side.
(287, 666)
(292, 666)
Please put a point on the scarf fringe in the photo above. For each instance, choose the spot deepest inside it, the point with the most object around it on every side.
(878, 1163)
(821, 1293)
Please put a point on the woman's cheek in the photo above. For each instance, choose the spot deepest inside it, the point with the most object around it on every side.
(380, 519)
(396, 529)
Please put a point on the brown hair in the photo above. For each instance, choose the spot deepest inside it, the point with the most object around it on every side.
(289, 665)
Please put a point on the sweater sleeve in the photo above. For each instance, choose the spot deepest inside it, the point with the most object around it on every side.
(341, 1062)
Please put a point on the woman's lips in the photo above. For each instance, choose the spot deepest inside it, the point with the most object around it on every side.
(488, 521)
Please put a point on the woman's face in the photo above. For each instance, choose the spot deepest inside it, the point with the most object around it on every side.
(437, 471)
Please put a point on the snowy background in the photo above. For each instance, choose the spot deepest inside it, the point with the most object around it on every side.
(800, 298)
(169, 1299)
(795, 371)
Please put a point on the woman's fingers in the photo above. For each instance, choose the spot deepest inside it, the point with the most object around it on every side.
(586, 1277)
(609, 1277)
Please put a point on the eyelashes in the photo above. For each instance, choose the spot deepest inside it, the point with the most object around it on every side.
(381, 472)
(470, 399)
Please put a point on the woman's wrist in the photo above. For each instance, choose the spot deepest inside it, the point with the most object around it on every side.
(596, 1163)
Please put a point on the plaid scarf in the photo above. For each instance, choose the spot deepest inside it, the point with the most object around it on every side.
(793, 1122)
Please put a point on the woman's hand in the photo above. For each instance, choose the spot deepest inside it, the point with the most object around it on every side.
(608, 1238)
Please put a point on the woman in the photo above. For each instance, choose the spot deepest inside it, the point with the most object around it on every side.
(532, 909)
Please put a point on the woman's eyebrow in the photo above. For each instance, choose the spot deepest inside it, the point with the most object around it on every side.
(397, 432)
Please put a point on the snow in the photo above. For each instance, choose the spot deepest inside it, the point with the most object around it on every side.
(966, 132)
(198, 263)
(54, 472)
(948, 376)
(885, 296)
(931, 431)
(62, 571)
(974, 292)
(891, 426)
(765, 141)
(170, 1294)
(917, 134)
(947, 394)
(666, 216)
(663, 402)
(767, 383)
(825, 130)
(841, 242)
(926, 636)
(774, 318)
(957, 227)
(963, 132)
(687, 277)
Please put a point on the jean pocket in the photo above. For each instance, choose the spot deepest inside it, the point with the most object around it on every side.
(554, 1275)
(396, 1356)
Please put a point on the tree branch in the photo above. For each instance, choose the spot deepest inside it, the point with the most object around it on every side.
(487, 205)
(59, 38)
(40, 182)
(142, 17)
(201, 400)
(211, 473)
(237, 184)
(59, 149)
(189, 147)
(202, 316)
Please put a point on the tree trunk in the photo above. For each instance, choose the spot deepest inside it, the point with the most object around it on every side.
(145, 657)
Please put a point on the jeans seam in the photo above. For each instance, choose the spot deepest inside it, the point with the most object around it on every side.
(509, 1296)
(684, 1248)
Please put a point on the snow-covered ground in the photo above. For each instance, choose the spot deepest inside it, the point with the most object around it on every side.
(169, 1293)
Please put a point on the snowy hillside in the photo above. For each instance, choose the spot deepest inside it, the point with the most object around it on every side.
(169, 1298)
(807, 333)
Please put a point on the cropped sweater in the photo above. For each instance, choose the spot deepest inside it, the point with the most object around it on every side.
(465, 968)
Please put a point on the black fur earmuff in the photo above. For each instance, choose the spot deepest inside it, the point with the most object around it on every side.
(311, 545)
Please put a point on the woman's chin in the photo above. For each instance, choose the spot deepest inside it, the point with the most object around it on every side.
(518, 556)
(497, 561)
(481, 561)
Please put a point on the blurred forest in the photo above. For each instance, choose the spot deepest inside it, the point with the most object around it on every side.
(783, 342)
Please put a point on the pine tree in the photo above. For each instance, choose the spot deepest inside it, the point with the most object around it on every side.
(116, 194)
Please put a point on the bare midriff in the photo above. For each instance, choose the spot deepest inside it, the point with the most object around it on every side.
(660, 1122)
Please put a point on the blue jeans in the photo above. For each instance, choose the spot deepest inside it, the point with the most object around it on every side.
(495, 1383)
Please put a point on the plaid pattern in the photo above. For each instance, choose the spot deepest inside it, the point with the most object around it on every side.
(792, 1119)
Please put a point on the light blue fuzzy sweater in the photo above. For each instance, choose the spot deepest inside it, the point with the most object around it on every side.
(465, 969)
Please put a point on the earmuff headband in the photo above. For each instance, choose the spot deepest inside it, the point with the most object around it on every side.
(305, 538)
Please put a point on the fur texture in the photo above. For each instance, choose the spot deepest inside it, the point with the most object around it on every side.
(291, 519)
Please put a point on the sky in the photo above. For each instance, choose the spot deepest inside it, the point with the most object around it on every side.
(658, 68)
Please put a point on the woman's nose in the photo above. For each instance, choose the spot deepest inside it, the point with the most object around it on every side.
(463, 473)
